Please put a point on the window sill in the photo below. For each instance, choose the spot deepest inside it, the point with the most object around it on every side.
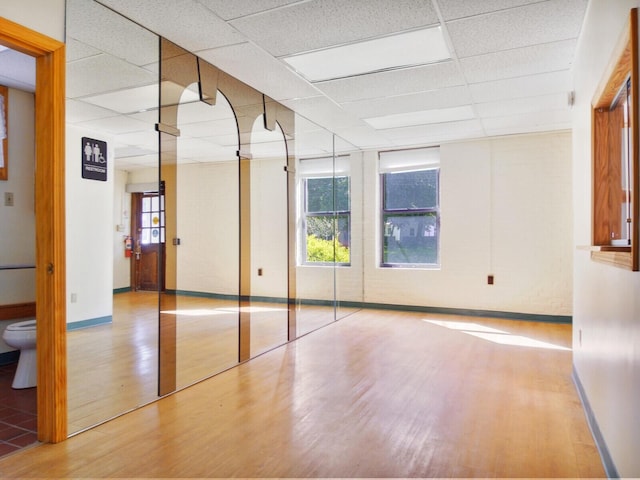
(621, 257)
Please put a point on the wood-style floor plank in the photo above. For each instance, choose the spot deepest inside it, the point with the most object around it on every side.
(377, 394)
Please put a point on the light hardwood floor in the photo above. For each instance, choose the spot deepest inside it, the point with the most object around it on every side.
(376, 394)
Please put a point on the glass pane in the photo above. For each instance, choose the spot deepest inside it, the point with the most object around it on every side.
(155, 235)
(411, 190)
(410, 239)
(155, 204)
(146, 220)
(320, 194)
(146, 236)
(328, 238)
(146, 204)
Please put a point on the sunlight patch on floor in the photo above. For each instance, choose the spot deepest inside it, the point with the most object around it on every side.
(496, 336)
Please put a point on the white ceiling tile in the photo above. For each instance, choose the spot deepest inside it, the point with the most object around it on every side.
(429, 134)
(365, 137)
(244, 60)
(534, 24)
(78, 111)
(530, 85)
(525, 123)
(441, 98)
(128, 100)
(322, 23)
(147, 139)
(452, 9)
(395, 82)
(519, 62)
(76, 50)
(422, 117)
(104, 73)
(207, 129)
(185, 22)
(520, 106)
(325, 112)
(105, 30)
(240, 8)
(115, 125)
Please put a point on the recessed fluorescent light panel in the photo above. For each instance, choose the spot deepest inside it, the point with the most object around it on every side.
(423, 117)
(418, 47)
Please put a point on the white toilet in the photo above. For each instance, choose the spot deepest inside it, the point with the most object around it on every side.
(22, 335)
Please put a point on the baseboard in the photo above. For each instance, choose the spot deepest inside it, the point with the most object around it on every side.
(18, 310)
(605, 456)
(531, 317)
(92, 322)
(121, 290)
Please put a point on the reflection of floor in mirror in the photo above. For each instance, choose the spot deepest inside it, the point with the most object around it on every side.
(377, 394)
(113, 368)
(18, 421)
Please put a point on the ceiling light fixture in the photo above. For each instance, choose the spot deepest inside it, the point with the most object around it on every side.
(422, 117)
(418, 47)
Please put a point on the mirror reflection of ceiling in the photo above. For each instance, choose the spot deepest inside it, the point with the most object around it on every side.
(505, 67)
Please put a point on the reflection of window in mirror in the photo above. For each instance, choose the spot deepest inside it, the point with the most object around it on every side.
(4, 105)
(615, 156)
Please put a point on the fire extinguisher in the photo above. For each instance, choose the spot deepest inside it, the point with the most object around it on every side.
(128, 246)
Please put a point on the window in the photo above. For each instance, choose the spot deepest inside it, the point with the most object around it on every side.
(410, 193)
(152, 228)
(615, 157)
(326, 208)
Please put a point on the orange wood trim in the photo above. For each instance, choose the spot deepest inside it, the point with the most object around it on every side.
(4, 170)
(244, 334)
(50, 245)
(17, 310)
(634, 127)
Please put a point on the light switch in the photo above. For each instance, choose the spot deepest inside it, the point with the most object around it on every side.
(8, 199)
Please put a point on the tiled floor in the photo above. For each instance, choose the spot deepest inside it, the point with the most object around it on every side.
(18, 421)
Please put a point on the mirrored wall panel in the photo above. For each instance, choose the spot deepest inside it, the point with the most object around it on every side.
(112, 213)
(207, 223)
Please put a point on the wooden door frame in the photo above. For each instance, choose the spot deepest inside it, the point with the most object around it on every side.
(50, 224)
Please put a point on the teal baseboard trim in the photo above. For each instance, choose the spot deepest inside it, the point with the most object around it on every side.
(190, 293)
(121, 290)
(607, 462)
(91, 322)
(531, 317)
(7, 358)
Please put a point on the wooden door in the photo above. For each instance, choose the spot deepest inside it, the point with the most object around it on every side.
(148, 232)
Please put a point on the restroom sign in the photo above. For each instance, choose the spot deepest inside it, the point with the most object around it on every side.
(94, 159)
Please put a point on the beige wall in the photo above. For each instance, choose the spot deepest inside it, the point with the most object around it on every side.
(44, 16)
(606, 307)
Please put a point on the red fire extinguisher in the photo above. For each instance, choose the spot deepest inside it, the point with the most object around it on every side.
(128, 246)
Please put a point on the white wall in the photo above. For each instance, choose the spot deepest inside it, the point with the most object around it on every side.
(606, 309)
(44, 16)
(121, 228)
(208, 228)
(505, 211)
(17, 234)
(89, 232)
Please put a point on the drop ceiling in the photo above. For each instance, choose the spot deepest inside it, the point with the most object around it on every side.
(508, 70)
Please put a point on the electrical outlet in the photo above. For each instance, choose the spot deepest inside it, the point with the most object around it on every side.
(8, 199)
(490, 279)
(74, 297)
